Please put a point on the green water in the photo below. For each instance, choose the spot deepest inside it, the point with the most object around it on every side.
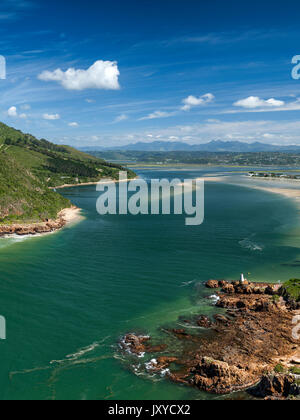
(70, 296)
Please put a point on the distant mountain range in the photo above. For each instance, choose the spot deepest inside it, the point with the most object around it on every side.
(213, 146)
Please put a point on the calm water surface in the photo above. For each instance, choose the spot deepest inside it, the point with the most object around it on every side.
(70, 296)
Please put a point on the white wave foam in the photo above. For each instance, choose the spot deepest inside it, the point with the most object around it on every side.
(8, 240)
(79, 353)
(83, 351)
(252, 246)
(151, 365)
(127, 346)
(165, 372)
(214, 298)
(187, 283)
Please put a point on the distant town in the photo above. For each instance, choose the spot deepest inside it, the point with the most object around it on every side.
(170, 158)
(274, 175)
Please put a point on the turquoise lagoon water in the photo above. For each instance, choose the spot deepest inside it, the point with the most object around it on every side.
(69, 297)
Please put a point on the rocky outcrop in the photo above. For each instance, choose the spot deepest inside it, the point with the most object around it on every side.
(204, 322)
(32, 229)
(276, 386)
(161, 363)
(239, 349)
(47, 226)
(228, 288)
(219, 377)
(138, 345)
(212, 284)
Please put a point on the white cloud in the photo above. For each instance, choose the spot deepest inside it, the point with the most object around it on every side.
(268, 136)
(192, 101)
(101, 75)
(73, 124)
(12, 112)
(253, 102)
(157, 114)
(51, 117)
(120, 118)
(248, 131)
(268, 131)
(25, 107)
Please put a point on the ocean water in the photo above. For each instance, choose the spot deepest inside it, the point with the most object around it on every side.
(69, 297)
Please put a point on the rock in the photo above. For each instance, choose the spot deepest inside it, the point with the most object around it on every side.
(232, 313)
(263, 305)
(212, 284)
(231, 303)
(219, 377)
(223, 283)
(140, 344)
(222, 319)
(33, 228)
(270, 291)
(204, 322)
(181, 334)
(276, 386)
(228, 288)
(161, 364)
(240, 349)
(243, 289)
(156, 349)
(164, 361)
(135, 344)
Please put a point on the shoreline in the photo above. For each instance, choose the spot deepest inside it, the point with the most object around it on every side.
(65, 217)
(284, 190)
(242, 348)
(85, 184)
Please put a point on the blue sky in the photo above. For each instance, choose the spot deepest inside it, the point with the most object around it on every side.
(96, 73)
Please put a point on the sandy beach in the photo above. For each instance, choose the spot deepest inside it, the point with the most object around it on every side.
(73, 185)
(71, 215)
(84, 184)
(292, 193)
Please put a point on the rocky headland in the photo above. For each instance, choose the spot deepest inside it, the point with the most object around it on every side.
(248, 345)
(48, 226)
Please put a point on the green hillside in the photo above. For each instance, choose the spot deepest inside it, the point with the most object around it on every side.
(29, 167)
